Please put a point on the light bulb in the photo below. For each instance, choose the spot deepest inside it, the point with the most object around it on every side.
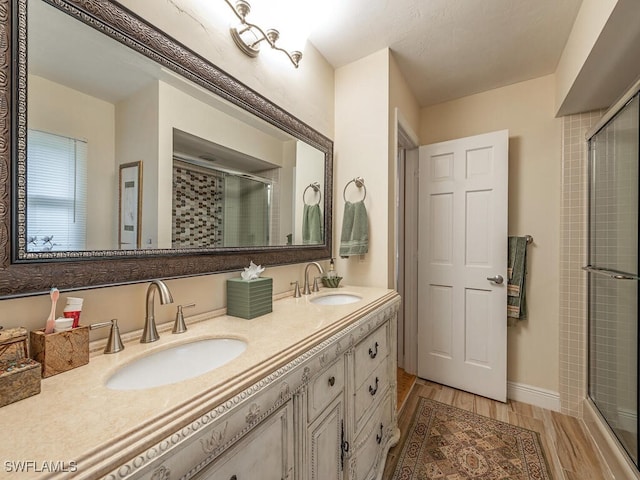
(294, 19)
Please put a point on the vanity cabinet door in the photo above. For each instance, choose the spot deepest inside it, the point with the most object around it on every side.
(324, 440)
(265, 453)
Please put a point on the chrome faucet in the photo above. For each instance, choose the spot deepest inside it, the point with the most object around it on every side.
(306, 290)
(150, 333)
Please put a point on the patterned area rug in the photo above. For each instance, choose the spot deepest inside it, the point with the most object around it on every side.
(448, 443)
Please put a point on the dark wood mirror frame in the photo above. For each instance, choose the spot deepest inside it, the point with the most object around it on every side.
(90, 269)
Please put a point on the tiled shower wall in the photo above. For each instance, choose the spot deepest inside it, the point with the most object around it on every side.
(573, 255)
(202, 217)
(197, 208)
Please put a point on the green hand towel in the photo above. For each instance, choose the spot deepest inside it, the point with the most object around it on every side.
(311, 224)
(517, 274)
(354, 239)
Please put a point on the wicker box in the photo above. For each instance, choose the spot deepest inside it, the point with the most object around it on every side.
(18, 379)
(19, 375)
(62, 351)
(249, 298)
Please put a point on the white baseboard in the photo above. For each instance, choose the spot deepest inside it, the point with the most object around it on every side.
(539, 397)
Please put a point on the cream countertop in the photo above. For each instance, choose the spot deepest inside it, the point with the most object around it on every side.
(77, 419)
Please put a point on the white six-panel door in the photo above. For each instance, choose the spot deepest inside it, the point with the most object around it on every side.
(462, 249)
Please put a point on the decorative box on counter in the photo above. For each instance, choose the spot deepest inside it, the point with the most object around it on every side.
(61, 351)
(19, 375)
(249, 298)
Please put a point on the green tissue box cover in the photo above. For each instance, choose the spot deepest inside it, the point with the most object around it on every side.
(249, 298)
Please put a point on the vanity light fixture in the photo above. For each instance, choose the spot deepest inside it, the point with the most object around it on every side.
(248, 36)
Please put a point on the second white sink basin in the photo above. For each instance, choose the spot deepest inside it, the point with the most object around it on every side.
(336, 299)
(175, 364)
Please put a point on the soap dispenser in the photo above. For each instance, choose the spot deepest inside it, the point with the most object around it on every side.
(332, 269)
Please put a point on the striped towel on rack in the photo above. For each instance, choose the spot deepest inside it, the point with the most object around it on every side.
(354, 239)
(517, 274)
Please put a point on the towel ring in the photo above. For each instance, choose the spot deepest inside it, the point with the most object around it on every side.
(316, 188)
(359, 181)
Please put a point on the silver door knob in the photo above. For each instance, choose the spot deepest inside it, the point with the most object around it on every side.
(497, 279)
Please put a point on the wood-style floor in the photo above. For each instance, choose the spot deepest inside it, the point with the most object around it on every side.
(405, 384)
(569, 450)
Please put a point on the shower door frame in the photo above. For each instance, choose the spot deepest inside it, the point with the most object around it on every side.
(603, 123)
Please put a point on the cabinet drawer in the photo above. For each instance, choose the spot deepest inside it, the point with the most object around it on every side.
(370, 352)
(372, 389)
(371, 442)
(325, 387)
(265, 453)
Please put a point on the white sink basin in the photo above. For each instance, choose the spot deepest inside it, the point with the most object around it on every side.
(175, 364)
(336, 299)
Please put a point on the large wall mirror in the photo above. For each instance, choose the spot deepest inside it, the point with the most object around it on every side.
(133, 158)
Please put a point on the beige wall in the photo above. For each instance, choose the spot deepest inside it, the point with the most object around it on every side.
(368, 94)
(361, 150)
(401, 97)
(307, 92)
(402, 103)
(127, 302)
(527, 110)
(309, 168)
(196, 116)
(589, 23)
(137, 140)
(286, 207)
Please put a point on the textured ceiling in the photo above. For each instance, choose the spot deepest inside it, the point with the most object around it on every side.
(448, 49)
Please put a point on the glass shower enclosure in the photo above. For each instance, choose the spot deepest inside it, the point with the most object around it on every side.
(613, 274)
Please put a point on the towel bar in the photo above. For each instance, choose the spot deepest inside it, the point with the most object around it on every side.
(614, 274)
(359, 181)
(316, 188)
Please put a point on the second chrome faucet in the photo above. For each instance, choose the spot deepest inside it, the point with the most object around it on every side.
(150, 332)
(306, 290)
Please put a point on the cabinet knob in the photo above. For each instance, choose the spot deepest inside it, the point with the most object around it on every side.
(374, 353)
(332, 381)
(233, 477)
(373, 390)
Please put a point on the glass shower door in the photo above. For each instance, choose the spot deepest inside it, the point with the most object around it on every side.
(247, 207)
(613, 268)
